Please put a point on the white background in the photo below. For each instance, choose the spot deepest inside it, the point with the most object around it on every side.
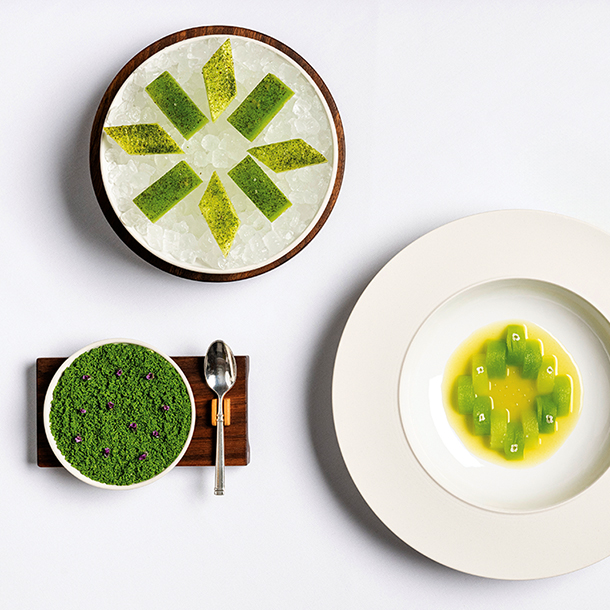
(449, 108)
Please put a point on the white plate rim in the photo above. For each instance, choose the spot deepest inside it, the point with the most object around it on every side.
(47, 410)
(366, 415)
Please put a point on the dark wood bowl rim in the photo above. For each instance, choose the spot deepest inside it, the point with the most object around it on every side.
(96, 134)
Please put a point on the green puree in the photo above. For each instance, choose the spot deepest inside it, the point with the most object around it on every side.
(145, 139)
(136, 419)
(219, 78)
(284, 156)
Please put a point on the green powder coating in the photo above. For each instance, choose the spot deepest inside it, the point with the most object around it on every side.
(136, 399)
(219, 213)
(176, 105)
(219, 77)
(146, 139)
(259, 188)
(284, 156)
(263, 103)
(162, 195)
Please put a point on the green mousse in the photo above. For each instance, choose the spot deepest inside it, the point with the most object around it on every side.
(284, 156)
(120, 414)
(176, 105)
(259, 188)
(145, 139)
(219, 213)
(261, 105)
(162, 195)
(219, 78)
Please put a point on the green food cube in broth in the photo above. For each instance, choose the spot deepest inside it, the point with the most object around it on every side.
(515, 344)
(219, 213)
(260, 106)
(259, 188)
(481, 415)
(143, 139)
(545, 380)
(530, 429)
(219, 77)
(499, 424)
(162, 195)
(514, 443)
(495, 359)
(176, 105)
(465, 394)
(480, 378)
(288, 155)
(532, 359)
(546, 411)
(562, 395)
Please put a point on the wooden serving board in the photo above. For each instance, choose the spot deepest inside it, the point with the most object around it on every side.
(202, 450)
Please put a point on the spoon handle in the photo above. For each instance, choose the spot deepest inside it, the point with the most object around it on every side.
(219, 484)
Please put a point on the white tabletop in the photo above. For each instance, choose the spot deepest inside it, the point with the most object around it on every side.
(449, 109)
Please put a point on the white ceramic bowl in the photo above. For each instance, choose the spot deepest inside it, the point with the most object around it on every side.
(47, 410)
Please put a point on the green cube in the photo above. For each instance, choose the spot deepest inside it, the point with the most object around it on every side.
(219, 78)
(259, 188)
(481, 415)
(562, 395)
(546, 411)
(495, 359)
(514, 443)
(515, 344)
(162, 195)
(465, 395)
(530, 429)
(480, 378)
(284, 156)
(261, 105)
(176, 105)
(546, 375)
(499, 426)
(219, 213)
(143, 139)
(532, 359)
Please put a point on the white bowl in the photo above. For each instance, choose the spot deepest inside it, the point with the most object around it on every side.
(47, 410)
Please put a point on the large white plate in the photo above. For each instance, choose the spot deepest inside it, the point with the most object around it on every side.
(463, 275)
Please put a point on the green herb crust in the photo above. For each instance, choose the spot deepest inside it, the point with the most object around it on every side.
(219, 213)
(163, 194)
(284, 156)
(111, 448)
(176, 105)
(219, 78)
(144, 139)
(259, 188)
(261, 105)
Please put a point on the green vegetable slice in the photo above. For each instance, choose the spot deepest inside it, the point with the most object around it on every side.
(532, 359)
(562, 395)
(219, 78)
(162, 195)
(499, 425)
(480, 378)
(219, 213)
(546, 375)
(143, 139)
(514, 442)
(259, 188)
(284, 156)
(481, 415)
(261, 105)
(176, 105)
(530, 429)
(546, 411)
(465, 394)
(495, 359)
(515, 344)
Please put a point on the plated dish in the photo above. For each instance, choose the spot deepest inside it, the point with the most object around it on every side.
(217, 153)
(433, 493)
(119, 414)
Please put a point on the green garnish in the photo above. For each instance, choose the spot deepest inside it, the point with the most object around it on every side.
(219, 77)
(284, 156)
(145, 139)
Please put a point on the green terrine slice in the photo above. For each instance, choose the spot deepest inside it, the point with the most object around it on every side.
(219, 78)
(263, 103)
(145, 139)
(259, 188)
(219, 213)
(284, 156)
(176, 105)
(162, 195)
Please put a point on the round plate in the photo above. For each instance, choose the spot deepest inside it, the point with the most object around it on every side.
(185, 246)
(47, 410)
(415, 311)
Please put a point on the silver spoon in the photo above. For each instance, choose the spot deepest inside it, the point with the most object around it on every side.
(220, 372)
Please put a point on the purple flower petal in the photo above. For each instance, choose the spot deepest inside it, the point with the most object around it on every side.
(110, 405)
(119, 372)
(106, 451)
(86, 377)
(165, 407)
(143, 456)
(155, 433)
(133, 426)
(149, 376)
(83, 411)
(78, 439)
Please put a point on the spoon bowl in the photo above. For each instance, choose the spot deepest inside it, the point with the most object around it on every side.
(220, 372)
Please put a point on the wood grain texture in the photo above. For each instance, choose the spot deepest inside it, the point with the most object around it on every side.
(201, 451)
(96, 134)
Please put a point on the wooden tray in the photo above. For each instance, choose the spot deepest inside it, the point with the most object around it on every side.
(201, 451)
